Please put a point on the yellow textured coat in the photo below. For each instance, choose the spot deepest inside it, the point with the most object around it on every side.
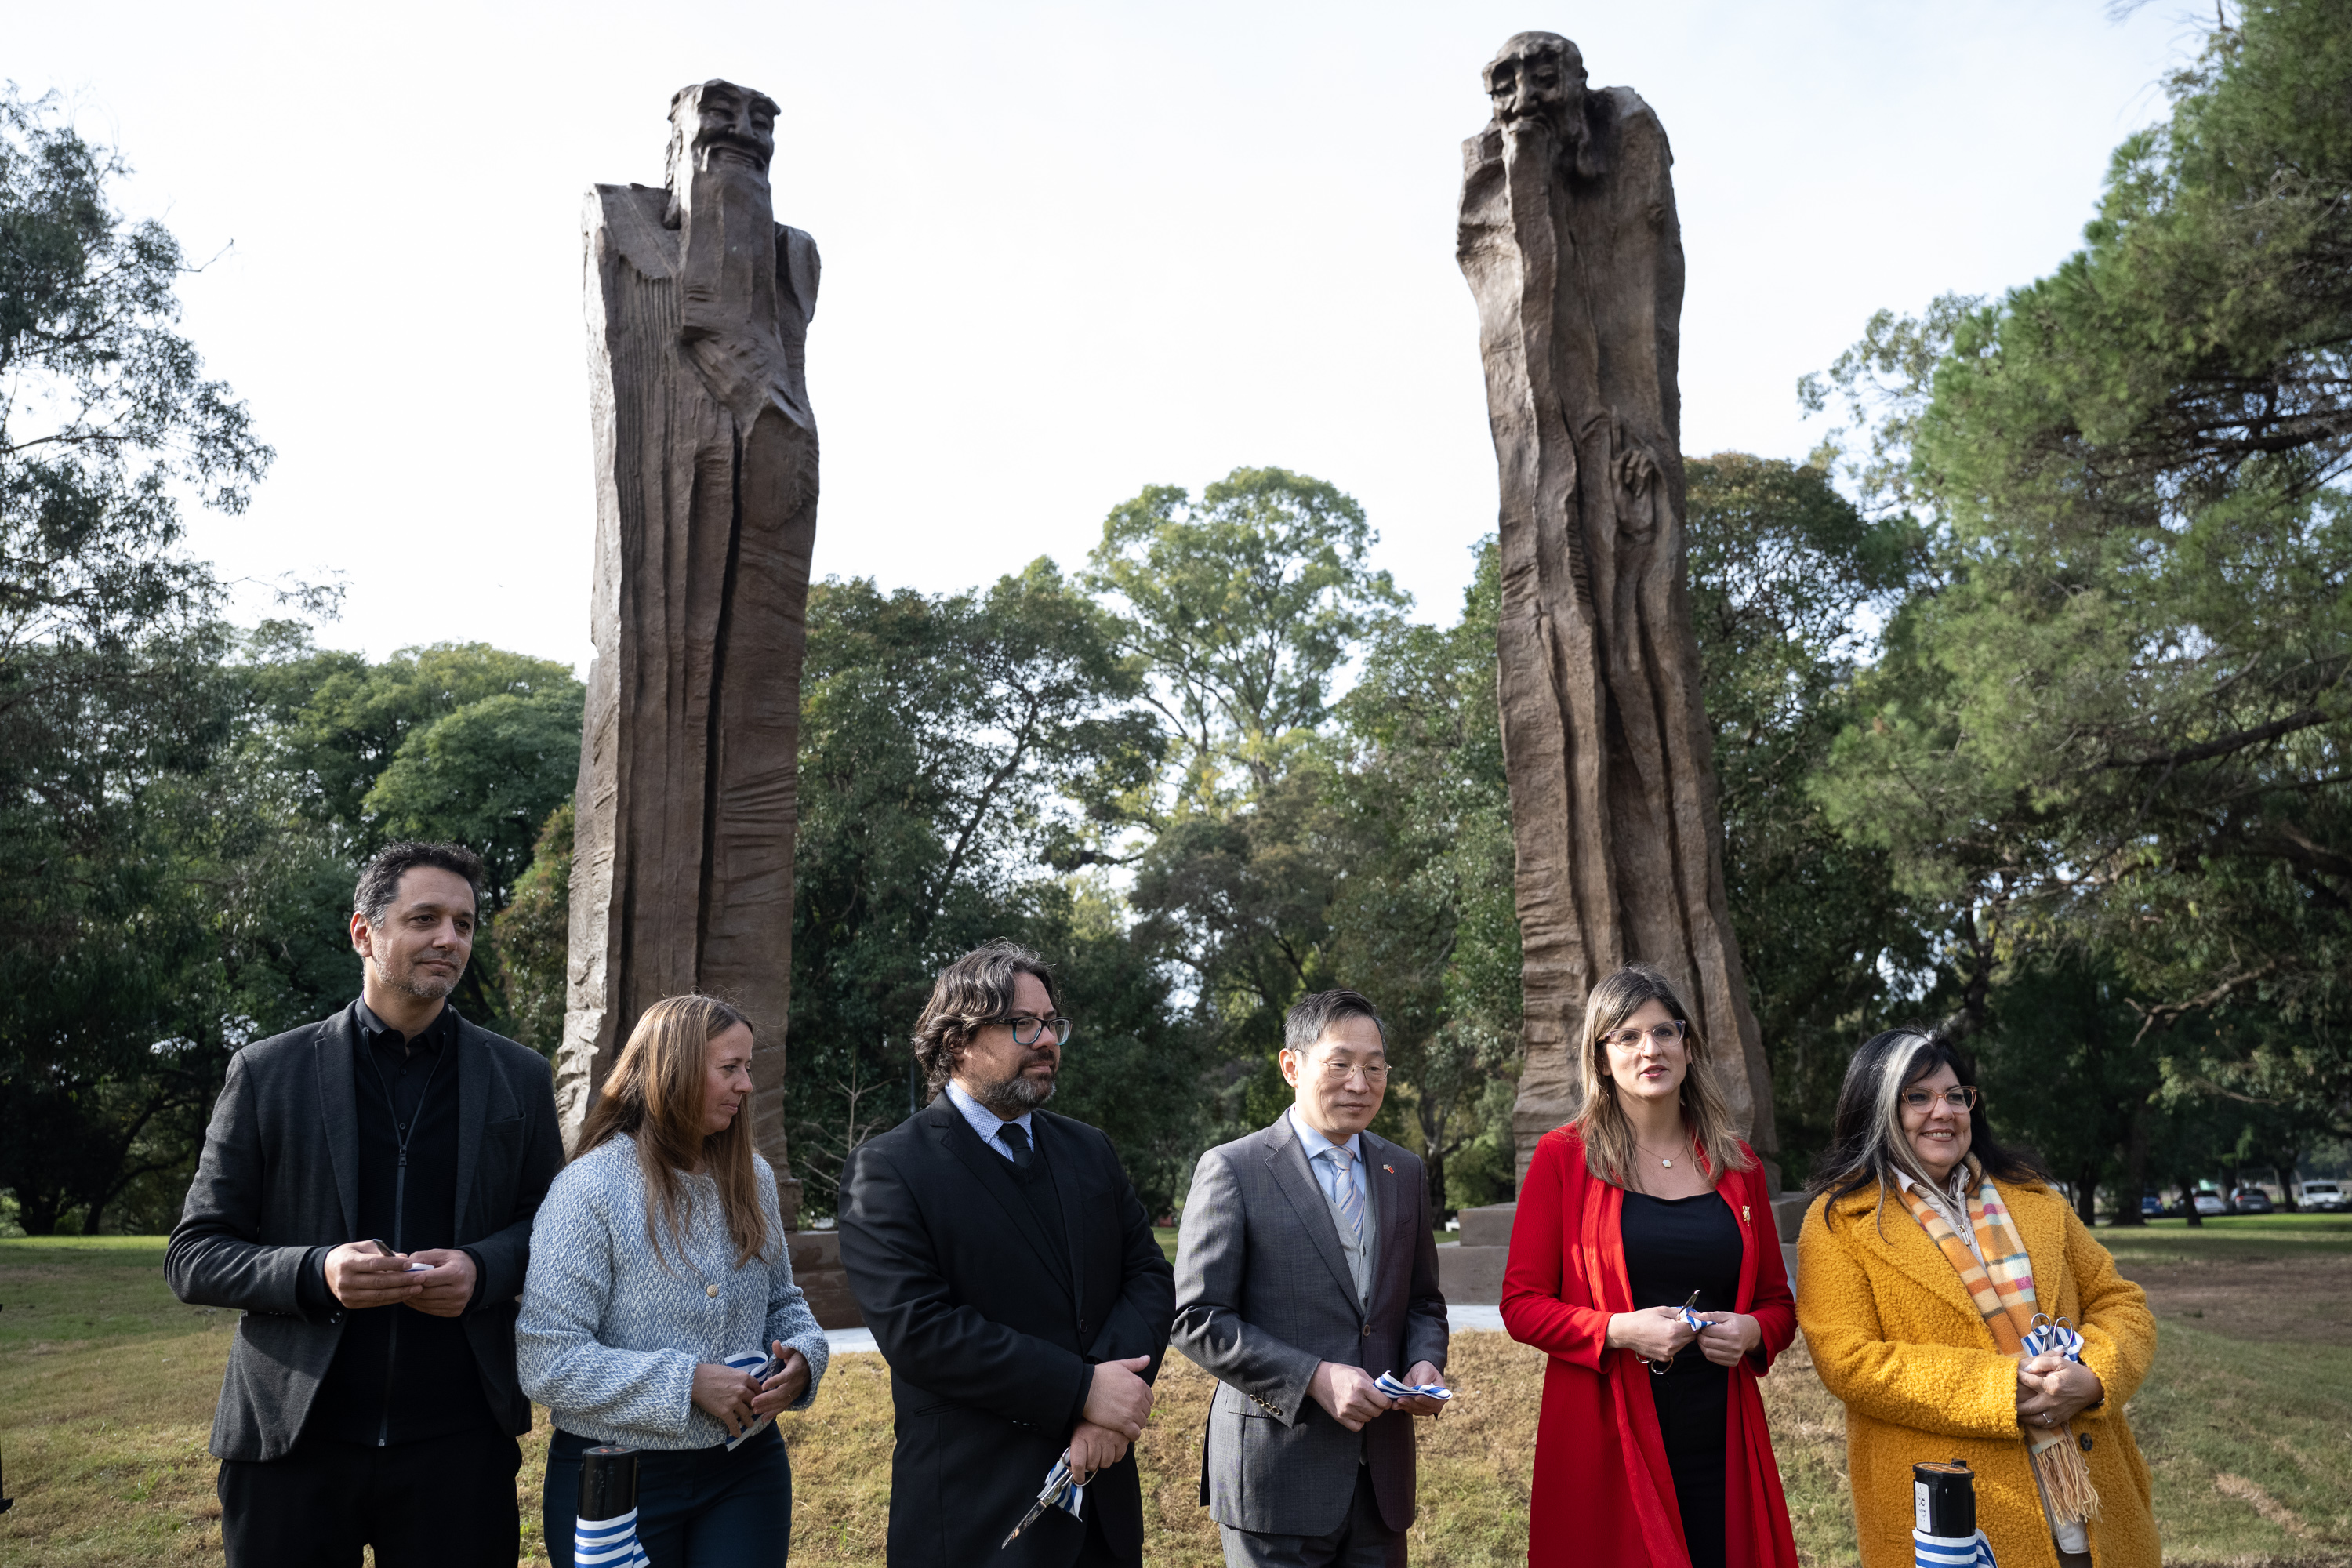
(1895, 1337)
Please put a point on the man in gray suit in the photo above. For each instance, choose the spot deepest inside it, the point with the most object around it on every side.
(1305, 1267)
(366, 1198)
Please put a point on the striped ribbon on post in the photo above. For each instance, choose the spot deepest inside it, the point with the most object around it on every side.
(605, 1533)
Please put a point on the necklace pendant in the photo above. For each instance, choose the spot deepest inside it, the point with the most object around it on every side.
(1669, 1164)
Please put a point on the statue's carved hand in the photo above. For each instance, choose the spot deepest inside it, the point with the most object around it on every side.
(1637, 469)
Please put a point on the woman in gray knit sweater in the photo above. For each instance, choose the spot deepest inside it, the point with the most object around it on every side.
(660, 1282)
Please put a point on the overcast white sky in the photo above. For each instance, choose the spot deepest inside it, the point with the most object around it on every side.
(1069, 250)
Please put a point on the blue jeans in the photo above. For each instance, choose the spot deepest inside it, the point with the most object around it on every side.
(696, 1508)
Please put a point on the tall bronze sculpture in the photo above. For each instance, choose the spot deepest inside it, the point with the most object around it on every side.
(699, 304)
(1570, 244)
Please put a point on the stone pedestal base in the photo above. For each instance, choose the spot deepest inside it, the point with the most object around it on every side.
(817, 1270)
(1471, 1273)
(1788, 1214)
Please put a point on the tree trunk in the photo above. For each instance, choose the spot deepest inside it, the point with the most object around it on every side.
(706, 470)
(2135, 1185)
(1570, 245)
(1432, 1154)
(37, 1211)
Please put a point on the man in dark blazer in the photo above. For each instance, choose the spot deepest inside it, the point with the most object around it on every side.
(366, 1198)
(1011, 1280)
(1306, 1267)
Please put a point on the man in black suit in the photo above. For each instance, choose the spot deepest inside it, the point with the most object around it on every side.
(1012, 1281)
(365, 1197)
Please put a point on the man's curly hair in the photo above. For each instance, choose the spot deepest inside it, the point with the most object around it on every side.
(974, 990)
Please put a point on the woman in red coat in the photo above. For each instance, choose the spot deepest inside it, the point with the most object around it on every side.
(1651, 1448)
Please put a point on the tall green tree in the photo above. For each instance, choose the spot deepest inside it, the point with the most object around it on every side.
(1244, 609)
(1417, 833)
(1786, 575)
(113, 707)
(2119, 720)
(459, 741)
(946, 742)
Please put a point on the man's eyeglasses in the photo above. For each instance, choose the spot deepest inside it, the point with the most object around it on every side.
(1341, 1072)
(1664, 1034)
(1026, 1031)
(1963, 1098)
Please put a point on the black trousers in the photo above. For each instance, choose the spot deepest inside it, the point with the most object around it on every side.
(444, 1501)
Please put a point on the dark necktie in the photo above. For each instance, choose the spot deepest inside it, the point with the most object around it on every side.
(1016, 1137)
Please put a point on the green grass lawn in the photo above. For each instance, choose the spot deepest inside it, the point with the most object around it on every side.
(107, 1387)
(2220, 1235)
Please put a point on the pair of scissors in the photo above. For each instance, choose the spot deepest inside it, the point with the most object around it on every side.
(1658, 1368)
(1057, 1482)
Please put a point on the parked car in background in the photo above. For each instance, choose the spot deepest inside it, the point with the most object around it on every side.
(2324, 1195)
(2250, 1200)
(2150, 1206)
(2210, 1201)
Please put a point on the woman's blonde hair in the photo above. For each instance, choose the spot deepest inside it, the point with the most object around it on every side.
(1609, 1152)
(655, 1096)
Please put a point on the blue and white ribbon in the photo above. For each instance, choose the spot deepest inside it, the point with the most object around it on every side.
(752, 1364)
(1950, 1550)
(2047, 1335)
(1388, 1383)
(1059, 1492)
(608, 1542)
(1071, 1495)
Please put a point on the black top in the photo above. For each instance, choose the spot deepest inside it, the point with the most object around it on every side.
(1677, 1245)
(400, 1374)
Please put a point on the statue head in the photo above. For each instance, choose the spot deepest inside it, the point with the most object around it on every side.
(1538, 79)
(716, 121)
(1537, 75)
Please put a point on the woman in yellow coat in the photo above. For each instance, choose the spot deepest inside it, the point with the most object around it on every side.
(1924, 1257)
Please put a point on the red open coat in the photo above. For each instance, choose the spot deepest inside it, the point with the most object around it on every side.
(1602, 1491)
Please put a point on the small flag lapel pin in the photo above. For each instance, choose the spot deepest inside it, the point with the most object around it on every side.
(1389, 1169)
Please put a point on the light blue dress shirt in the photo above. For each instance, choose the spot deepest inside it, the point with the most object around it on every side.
(986, 1122)
(1326, 1173)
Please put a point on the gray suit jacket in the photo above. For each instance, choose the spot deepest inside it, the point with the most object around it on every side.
(1262, 1295)
(279, 1175)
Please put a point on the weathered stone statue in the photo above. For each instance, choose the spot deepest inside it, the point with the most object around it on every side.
(1570, 242)
(699, 304)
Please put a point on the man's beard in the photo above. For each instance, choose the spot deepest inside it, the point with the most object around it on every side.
(1016, 1096)
(424, 987)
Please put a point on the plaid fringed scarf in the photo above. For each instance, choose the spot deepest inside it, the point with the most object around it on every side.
(2002, 1288)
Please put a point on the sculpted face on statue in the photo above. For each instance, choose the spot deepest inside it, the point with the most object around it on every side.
(1537, 79)
(1537, 75)
(716, 121)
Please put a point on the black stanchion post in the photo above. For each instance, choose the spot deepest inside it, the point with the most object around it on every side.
(608, 1483)
(1944, 1499)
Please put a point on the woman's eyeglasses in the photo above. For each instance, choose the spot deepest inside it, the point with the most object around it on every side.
(1963, 1098)
(1027, 1031)
(1664, 1035)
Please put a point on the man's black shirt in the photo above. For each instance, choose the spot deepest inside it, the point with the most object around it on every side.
(400, 1374)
